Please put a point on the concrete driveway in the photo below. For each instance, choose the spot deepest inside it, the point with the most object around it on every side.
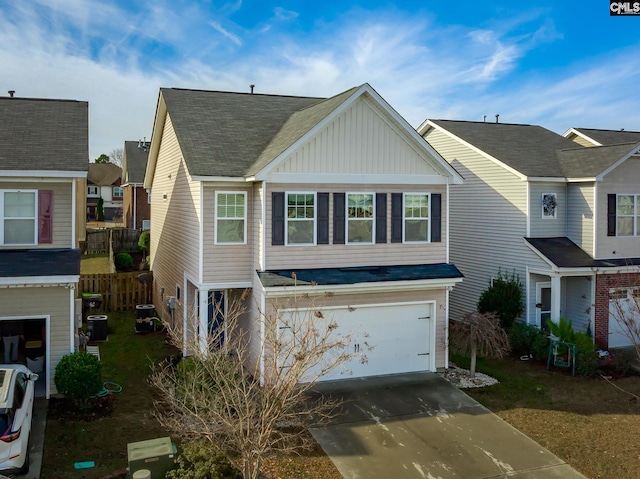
(420, 426)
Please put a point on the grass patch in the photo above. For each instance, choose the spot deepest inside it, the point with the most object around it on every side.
(95, 264)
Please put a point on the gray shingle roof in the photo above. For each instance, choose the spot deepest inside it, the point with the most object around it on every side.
(224, 133)
(610, 137)
(136, 155)
(360, 274)
(39, 262)
(42, 134)
(564, 253)
(535, 151)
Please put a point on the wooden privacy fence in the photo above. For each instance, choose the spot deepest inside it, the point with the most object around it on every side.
(97, 242)
(120, 291)
(124, 240)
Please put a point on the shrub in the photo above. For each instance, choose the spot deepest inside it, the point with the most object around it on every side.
(78, 377)
(123, 261)
(541, 347)
(523, 337)
(503, 297)
(144, 241)
(201, 460)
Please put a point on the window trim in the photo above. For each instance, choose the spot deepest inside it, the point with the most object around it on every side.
(120, 188)
(555, 207)
(372, 219)
(404, 218)
(635, 215)
(286, 218)
(216, 219)
(92, 187)
(35, 217)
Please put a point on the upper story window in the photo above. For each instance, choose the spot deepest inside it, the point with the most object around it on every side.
(301, 218)
(18, 215)
(118, 192)
(628, 215)
(360, 215)
(549, 205)
(231, 218)
(416, 218)
(92, 190)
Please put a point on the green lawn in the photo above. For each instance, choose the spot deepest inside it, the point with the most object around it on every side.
(95, 264)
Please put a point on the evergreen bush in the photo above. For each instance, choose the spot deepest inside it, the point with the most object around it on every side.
(201, 460)
(123, 261)
(78, 377)
(503, 297)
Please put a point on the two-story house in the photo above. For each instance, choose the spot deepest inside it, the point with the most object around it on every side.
(563, 217)
(137, 201)
(43, 170)
(104, 181)
(248, 189)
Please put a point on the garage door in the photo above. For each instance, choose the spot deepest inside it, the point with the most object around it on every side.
(624, 303)
(387, 339)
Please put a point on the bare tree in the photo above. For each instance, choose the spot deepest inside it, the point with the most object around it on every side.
(247, 406)
(479, 334)
(624, 307)
(117, 156)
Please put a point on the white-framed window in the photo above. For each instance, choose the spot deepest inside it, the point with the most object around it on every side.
(231, 217)
(549, 205)
(628, 215)
(360, 218)
(415, 215)
(146, 225)
(148, 197)
(18, 217)
(301, 218)
(92, 190)
(118, 192)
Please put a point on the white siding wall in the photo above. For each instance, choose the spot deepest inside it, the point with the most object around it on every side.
(36, 303)
(580, 141)
(360, 140)
(580, 219)
(332, 255)
(175, 225)
(488, 222)
(623, 180)
(227, 263)
(545, 227)
(577, 301)
(63, 210)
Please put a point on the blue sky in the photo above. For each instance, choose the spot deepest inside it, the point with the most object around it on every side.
(555, 63)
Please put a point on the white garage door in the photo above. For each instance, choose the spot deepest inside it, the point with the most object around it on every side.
(623, 303)
(394, 338)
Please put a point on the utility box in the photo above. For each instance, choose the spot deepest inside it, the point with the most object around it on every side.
(97, 327)
(155, 455)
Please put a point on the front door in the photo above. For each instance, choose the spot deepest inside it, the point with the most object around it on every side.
(543, 305)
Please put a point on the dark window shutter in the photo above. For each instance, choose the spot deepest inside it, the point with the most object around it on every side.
(396, 217)
(45, 216)
(338, 218)
(436, 217)
(323, 218)
(381, 217)
(277, 218)
(611, 215)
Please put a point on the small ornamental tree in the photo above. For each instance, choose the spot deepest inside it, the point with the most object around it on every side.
(100, 210)
(78, 377)
(479, 334)
(504, 297)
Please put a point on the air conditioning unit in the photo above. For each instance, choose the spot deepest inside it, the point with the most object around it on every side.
(154, 455)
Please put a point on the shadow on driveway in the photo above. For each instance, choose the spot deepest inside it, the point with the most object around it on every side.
(420, 426)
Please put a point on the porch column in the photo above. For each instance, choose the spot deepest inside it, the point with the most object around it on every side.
(203, 323)
(555, 298)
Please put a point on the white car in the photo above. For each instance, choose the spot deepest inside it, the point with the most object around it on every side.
(16, 412)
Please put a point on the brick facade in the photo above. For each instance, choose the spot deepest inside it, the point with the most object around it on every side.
(143, 211)
(604, 282)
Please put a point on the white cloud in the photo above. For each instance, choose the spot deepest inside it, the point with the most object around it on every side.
(234, 38)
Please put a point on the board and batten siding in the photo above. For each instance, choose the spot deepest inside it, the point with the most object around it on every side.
(625, 179)
(361, 140)
(580, 218)
(63, 210)
(541, 227)
(227, 262)
(488, 222)
(175, 222)
(345, 255)
(37, 303)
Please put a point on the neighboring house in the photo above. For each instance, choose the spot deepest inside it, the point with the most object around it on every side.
(595, 137)
(43, 169)
(136, 200)
(247, 189)
(564, 217)
(104, 181)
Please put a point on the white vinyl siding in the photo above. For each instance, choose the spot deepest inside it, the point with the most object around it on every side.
(231, 218)
(332, 255)
(540, 224)
(360, 218)
(488, 222)
(18, 217)
(300, 217)
(580, 215)
(415, 210)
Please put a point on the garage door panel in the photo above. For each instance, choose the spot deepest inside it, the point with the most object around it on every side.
(386, 339)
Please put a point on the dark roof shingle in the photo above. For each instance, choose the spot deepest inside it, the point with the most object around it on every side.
(136, 155)
(39, 262)
(610, 137)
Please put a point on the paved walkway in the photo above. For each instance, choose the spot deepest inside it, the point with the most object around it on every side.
(420, 426)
